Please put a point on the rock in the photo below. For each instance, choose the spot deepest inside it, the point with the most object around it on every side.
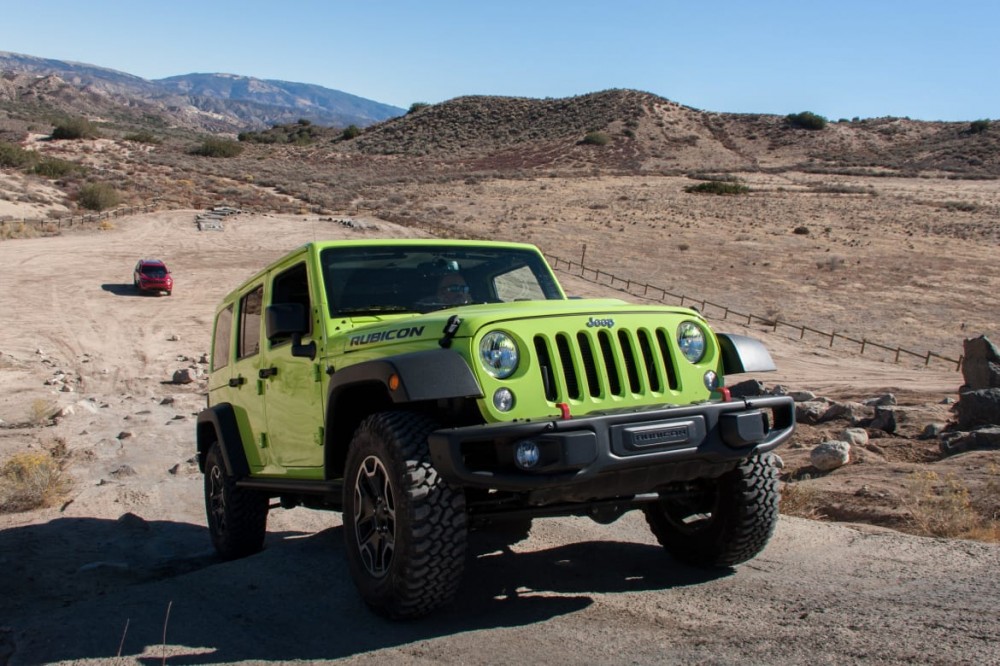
(978, 408)
(855, 436)
(750, 387)
(803, 396)
(124, 434)
(174, 338)
(66, 411)
(883, 400)
(981, 364)
(959, 442)
(932, 431)
(885, 420)
(183, 376)
(809, 412)
(830, 455)
(854, 412)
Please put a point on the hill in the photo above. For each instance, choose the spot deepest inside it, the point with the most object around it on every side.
(210, 102)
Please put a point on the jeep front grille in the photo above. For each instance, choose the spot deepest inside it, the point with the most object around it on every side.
(594, 364)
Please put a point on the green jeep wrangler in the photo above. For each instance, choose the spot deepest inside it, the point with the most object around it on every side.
(424, 388)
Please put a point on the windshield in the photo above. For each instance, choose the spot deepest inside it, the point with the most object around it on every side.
(387, 279)
(154, 271)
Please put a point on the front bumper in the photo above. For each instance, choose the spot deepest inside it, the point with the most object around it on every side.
(613, 454)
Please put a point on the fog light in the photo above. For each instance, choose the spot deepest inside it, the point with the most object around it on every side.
(711, 381)
(503, 399)
(526, 455)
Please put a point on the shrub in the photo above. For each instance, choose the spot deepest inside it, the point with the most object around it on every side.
(75, 128)
(418, 106)
(28, 481)
(55, 168)
(806, 120)
(351, 131)
(98, 196)
(214, 147)
(978, 126)
(596, 139)
(16, 157)
(717, 187)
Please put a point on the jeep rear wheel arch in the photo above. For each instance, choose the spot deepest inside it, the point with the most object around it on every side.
(218, 424)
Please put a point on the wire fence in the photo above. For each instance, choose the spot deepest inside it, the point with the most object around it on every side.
(10, 225)
(716, 311)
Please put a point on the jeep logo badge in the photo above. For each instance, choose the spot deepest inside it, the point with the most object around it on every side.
(600, 323)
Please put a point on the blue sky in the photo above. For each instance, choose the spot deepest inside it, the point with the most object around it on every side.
(923, 59)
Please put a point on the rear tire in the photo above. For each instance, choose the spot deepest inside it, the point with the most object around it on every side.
(727, 522)
(237, 517)
(405, 528)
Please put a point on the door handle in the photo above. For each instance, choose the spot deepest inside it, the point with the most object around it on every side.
(237, 381)
(264, 373)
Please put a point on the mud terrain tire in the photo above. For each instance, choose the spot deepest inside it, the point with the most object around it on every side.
(237, 517)
(727, 522)
(405, 529)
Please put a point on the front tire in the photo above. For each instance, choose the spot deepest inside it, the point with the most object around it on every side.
(405, 528)
(237, 517)
(727, 521)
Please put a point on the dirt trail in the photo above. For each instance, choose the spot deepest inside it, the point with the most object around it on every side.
(98, 576)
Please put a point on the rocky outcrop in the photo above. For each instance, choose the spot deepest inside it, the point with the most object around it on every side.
(977, 411)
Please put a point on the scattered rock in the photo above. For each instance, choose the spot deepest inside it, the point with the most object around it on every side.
(830, 455)
(854, 436)
(884, 400)
(183, 376)
(959, 442)
(932, 431)
(124, 434)
(750, 387)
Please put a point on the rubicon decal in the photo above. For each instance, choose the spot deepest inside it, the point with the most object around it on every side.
(600, 323)
(384, 336)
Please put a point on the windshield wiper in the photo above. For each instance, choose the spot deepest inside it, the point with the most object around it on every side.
(376, 308)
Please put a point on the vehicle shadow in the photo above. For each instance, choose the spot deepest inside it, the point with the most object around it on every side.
(293, 601)
(125, 289)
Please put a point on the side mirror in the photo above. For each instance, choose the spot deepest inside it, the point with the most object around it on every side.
(290, 319)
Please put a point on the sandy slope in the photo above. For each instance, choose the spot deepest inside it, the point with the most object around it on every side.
(98, 575)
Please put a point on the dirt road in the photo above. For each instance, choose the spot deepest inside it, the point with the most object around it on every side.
(123, 571)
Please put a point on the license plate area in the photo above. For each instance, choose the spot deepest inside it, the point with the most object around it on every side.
(639, 438)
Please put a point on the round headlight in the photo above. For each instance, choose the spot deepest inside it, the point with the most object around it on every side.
(498, 354)
(691, 340)
(503, 399)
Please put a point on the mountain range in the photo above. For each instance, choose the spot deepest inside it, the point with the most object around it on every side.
(212, 102)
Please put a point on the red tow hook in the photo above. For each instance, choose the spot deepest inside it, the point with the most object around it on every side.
(726, 395)
(564, 410)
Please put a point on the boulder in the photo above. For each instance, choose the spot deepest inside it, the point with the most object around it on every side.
(830, 455)
(981, 364)
(856, 437)
(959, 442)
(978, 408)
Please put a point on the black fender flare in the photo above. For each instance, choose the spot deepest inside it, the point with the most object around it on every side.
(424, 375)
(744, 354)
(218, 423)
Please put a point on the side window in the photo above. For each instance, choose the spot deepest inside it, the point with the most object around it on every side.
(223, 335)
(250, 313)
(291, 286)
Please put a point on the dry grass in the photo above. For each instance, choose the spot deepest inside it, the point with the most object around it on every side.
(801, 500)
(943, 507)
(32, 479)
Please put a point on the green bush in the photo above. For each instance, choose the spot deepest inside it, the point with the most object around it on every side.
(806, 120)
(51, 167)
(418, 106)
(351, 131)
(977, 126)
(75, 128)
(214, 147)
(717, 187)
(596, 139)
(98, 196)
(15, 157)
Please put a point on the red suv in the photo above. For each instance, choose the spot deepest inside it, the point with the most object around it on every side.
(152, 275)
